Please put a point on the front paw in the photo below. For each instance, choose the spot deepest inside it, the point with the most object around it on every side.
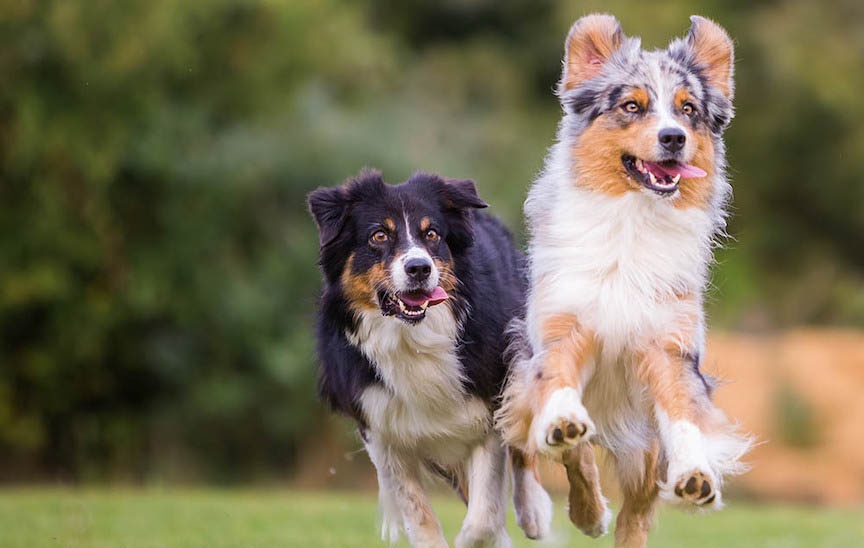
(563, 423)
(696, 488)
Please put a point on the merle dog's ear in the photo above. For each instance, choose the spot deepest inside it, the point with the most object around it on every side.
(590, 43)
(462, 194)
(713, 50)
(329, 208)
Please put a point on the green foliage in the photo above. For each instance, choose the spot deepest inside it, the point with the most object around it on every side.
(157, 276)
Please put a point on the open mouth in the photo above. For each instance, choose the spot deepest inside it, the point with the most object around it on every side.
(660, 177)
(411, 306)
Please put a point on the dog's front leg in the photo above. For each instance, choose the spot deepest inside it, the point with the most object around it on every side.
(485, 522)
(561, 369)
(667, 372)
(404, 503)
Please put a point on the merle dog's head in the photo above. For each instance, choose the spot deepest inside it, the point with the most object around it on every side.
(647, 121)
(392, 248)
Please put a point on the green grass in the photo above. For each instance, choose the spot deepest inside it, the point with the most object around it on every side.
(35, 518)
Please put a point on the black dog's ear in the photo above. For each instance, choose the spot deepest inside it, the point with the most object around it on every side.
(329, 208)
(461, 194)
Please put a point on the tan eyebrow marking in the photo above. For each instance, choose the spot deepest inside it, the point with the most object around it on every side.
(641, 97)
(682, 96)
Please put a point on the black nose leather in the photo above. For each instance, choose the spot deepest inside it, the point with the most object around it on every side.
(672, 139)
(418, 269)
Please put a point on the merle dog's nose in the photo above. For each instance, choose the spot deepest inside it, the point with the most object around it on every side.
(672, 138)
(418, 269)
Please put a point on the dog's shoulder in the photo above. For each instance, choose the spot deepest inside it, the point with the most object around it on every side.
(344, 372)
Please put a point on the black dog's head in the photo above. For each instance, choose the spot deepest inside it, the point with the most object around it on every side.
(392, 248)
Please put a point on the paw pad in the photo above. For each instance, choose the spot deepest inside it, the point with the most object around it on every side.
(695, 487)
(567, 432)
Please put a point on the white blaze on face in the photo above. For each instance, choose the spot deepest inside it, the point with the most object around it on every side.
(664, 104)
(415, 251)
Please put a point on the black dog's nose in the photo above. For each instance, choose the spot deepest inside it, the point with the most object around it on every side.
(672, 138)
(418, 269)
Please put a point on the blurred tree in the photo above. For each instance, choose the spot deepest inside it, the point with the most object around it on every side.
(157, 276)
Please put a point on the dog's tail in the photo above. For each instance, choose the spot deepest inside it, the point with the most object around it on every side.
(513, 417)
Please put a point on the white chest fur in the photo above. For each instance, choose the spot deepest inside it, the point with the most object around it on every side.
(421, 402)
(616, 262)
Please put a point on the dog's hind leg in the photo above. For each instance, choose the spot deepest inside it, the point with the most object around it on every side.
(402, 498)
(640, 489)
(531, 502)
(587, 506)
(485, 522)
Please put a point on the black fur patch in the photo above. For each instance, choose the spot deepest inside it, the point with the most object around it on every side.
(490, 273)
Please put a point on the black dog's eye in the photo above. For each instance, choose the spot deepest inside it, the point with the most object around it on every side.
(631, 107)
(432, 235)
(688, 109)
(379, 237)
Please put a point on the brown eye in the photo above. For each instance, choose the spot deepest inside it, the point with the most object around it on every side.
(379, 237)
(432, 235)
(631, 106)
(688, 109)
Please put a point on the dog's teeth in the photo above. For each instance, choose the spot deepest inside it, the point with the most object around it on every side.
(424, 305)
(639, 165)
(653, 178)
(675, 179)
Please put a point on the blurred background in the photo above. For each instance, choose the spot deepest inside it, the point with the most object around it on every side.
(157, 263)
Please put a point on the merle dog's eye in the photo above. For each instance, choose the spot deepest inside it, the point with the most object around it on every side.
(631, 106)
(432, 235)
(688, 109)
(379, 237)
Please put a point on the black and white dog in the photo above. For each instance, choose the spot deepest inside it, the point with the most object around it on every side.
(418, 291)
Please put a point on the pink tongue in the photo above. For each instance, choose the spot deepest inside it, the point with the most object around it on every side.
(417, 298)
(686, 171)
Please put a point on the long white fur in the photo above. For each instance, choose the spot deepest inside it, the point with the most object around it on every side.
(421, 412)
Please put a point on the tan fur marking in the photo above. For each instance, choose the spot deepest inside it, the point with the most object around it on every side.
(590, 43)
(640, 96)
(637, 511)
(446, 277)
(425, 223)
(566, 348)
(682, 96)
(664, 367)
(390, 224)
(713, 49)
(665, 378)
(359, 289)
(696, 193)
(598, 152)
(585, 499)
